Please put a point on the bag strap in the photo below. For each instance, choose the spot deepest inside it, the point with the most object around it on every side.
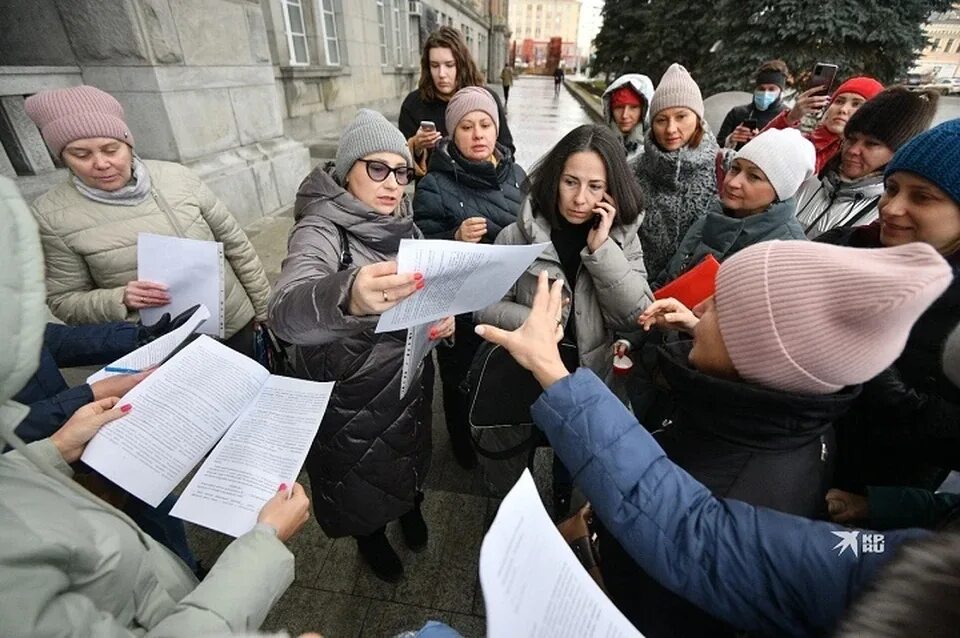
(510, 452)
(863, 213)
(346, 257)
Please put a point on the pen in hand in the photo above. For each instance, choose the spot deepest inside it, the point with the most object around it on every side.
(120, 370)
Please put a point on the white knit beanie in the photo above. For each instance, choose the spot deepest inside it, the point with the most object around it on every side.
(677, 88)
(785, 156)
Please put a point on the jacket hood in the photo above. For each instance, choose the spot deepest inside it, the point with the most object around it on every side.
(639, 83)
(23, 311)
(321, 196)
(483, 175)
(746, 413)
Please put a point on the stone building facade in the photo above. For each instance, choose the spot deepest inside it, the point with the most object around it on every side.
(941, 58)
(239, 90)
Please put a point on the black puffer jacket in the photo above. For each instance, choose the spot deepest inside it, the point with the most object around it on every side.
(742, 441)
(372, 451)
(907, 423)
(457, 188)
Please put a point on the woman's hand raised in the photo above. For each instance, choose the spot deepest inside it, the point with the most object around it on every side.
(73, 436)
(145, 294)
(607, 211)
(668, 313)
(807, 102)
(534, 344)
(378, 287)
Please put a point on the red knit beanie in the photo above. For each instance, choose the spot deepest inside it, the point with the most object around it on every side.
(76, 113)
(811, 318)
(861, 85)
(625, 95)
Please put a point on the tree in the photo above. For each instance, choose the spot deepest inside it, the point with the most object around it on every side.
(723, 42)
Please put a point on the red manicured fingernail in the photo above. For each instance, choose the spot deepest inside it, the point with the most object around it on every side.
(419, 285)
(283, 486)
(433, 333)
(125, 407)
(417, 276)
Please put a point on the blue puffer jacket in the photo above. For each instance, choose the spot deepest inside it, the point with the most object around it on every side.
(51, 402)
(755, 568)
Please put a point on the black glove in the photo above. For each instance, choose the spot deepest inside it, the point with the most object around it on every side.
(164, 325)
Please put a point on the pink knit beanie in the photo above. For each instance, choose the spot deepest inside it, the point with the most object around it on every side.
(811, 318)
(65, 115)
(467, 100)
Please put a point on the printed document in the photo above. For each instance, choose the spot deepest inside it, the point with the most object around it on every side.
(459, 277)
(157, 350)
(417, 347)
(183, 409)
(533, 584)
(193, 271)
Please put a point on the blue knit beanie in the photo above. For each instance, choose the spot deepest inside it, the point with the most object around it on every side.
(933, 155)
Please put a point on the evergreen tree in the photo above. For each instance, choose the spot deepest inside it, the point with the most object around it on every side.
(722, 42)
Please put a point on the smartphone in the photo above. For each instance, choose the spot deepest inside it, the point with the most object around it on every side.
(428, 126)
(597, 220)
(823, 76)
(750, 124)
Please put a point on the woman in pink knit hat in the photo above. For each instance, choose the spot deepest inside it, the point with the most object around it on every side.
(89, 223)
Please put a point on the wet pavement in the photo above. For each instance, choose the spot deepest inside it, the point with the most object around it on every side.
(538, 118)
(334, 592)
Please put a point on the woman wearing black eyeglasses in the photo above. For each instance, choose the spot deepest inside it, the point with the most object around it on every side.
(371, 454)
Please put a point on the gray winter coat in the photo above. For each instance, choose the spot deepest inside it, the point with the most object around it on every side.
(632, 143)
(722, 235)
(456, 188)
(372, 451)
(611, 288)
(678, 188)
(825, 202)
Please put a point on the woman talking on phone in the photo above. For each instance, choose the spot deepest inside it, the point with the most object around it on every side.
(446, 66)
(584, 202)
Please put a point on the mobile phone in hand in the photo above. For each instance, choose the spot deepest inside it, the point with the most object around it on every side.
(823, 76)
(750, 124)
(597, 220)
(428, 126)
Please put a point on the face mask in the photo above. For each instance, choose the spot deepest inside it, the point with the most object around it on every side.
(763, 99)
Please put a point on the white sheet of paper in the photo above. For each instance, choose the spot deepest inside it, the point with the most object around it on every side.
(533, 584)
(178, 414)
(264, 448)
(417, 347)
(459, 276)
(155, 351)
(193, 270)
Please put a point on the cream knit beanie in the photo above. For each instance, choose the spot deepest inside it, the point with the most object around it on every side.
(677, 88)
(785, 156)
(811, 318)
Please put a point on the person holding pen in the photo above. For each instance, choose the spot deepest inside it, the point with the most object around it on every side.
(71, 562)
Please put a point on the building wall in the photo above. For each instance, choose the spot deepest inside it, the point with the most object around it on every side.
(544, 19)
(942, 56)
(194, 77)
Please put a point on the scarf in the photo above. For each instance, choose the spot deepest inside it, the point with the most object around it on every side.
(130, 194)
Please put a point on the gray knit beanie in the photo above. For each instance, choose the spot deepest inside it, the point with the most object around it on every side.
(677, 88)
(369, 132)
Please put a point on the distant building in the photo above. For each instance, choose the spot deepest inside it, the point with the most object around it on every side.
(242, 91)
(941, 58)
(591, 20)
(533, 24)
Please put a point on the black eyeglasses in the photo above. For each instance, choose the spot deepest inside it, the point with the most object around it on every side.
(378, 171)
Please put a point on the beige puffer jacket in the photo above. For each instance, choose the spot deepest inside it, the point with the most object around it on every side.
(90, 249)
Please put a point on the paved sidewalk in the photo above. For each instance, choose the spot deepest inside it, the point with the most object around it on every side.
(334, 592)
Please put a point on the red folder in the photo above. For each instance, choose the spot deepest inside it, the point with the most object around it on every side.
(693, 286)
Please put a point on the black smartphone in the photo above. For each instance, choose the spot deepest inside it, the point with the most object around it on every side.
(750, 124)
(823, 76)
(597, 220)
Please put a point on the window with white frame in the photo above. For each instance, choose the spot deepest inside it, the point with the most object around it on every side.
(397, 24)
(382, 28)
(296, 33)
(328, 31)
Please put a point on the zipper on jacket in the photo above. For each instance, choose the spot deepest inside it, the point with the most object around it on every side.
(823, 449)
(171, 217)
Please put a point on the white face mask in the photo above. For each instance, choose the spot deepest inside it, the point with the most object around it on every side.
(763, 99)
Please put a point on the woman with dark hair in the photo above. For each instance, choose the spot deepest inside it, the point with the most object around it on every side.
(584, 202)
(677, 170)
(446, 66)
